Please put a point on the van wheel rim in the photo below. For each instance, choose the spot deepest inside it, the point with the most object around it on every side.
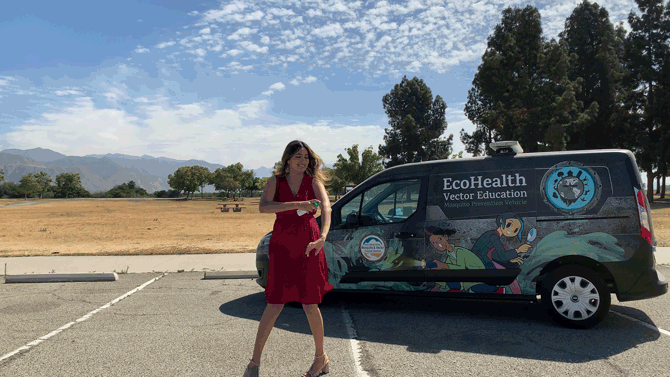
(575, 298)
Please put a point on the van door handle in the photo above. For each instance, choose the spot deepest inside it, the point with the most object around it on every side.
(405, 235)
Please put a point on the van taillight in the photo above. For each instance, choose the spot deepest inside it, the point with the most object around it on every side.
(645, 228)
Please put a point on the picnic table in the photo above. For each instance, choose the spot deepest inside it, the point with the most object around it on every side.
(225, 207)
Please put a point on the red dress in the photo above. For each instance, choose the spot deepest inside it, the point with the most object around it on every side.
(293, 276)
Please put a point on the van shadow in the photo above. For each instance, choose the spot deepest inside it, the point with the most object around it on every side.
(431, 325)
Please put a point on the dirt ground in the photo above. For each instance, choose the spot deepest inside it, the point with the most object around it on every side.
(145, 227)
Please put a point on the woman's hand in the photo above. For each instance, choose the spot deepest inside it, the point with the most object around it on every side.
(318, 245)
(306, 206)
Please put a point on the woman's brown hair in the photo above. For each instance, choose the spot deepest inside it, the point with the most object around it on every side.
(314, 166)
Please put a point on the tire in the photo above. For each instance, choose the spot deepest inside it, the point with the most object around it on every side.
(575, 296)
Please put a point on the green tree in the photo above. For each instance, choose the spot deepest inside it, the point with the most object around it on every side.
(2, 175)
(10, 189)
(647, 55)
(358, 167)
(201, 175)
(28, 185)
(521, 90)
(43, 183)
(276, 166)
(597, 50)
(127, 190)
(232, 179)
(69, 184)
(417, 124)
(336, 184)
(184, 179)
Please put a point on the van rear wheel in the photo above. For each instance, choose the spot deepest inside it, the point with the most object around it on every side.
(575, 296)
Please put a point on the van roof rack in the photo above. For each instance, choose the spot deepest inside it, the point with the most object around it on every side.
(506, 147)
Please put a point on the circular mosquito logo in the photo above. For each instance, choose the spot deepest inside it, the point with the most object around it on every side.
(571, 188)
(373, 248)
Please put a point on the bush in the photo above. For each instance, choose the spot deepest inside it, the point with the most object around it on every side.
(167, 194)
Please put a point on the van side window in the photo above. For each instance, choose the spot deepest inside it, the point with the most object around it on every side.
(353, 206)
(391, 202)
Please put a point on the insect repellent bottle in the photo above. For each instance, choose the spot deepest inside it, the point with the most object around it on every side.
(301, 212)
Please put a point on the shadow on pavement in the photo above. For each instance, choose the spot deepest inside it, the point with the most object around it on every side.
(431, 325)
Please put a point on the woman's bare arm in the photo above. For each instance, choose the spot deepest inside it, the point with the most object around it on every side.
(322, 195)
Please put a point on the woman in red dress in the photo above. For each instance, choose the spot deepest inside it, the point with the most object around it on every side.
(297, 267)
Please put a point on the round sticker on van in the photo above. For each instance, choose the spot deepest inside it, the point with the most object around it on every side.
(571, 188)
(373, 248)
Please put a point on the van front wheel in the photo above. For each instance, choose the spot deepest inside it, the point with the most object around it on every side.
(575, 296)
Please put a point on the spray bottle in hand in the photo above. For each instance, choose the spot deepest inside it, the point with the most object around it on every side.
(301, 212)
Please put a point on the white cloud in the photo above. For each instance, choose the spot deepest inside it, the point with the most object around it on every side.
(299, 80)
(278, 86)
(205, 30)
(241, 33)
(364, 36)
(236, 66)
(141, 49)
(281, 12)
(193, 13)
(233, 52)
(314, 12)
(67, 92)
(4, 80)
(414, 67)
(225, 11)
(243, 133)
(165, 44)
(249, 46)
(330, 30)
(199, 52)
(254, 16)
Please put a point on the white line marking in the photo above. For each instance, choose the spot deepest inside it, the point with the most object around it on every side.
(355, 347)
(643, 323)
(66, 326)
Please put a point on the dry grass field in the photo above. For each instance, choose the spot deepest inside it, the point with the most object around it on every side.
(125, 227)
(144, 227)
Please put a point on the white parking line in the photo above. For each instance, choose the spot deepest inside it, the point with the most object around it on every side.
(355, 347)
(66, 326)
(643, 323)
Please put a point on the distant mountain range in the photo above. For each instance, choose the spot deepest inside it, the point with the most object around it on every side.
(102, 172)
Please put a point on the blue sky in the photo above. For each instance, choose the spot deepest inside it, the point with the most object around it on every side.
(235, 81)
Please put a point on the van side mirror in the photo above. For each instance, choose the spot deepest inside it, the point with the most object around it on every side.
(352, 219)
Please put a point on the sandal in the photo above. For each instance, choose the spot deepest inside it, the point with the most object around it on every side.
(252, 370)
(325, 368)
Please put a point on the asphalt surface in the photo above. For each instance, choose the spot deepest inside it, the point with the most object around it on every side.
(178, 324)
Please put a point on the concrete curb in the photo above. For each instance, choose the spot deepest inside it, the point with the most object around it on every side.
(60, 278)
(230, 275)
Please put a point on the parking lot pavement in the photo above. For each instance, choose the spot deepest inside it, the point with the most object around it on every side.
(30, 311)
(428, 337)
(182, 325)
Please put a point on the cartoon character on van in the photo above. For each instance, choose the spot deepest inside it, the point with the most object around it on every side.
(490, 249)
(454, 258)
